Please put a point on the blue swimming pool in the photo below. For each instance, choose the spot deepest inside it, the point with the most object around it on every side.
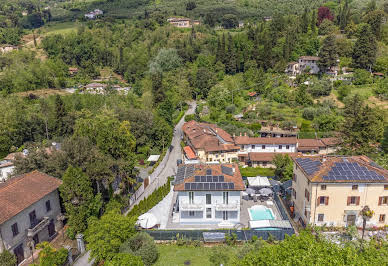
(259, 212)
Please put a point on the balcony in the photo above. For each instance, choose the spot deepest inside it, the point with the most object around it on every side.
(37, 226)
(230, 206)
(193, 206)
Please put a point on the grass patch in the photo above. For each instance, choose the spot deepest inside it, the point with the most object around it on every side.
(173, 255)
(60, 28)
(255, 171)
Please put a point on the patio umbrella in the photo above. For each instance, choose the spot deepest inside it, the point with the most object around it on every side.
(265, 191)
(250, 191)
(147, 220)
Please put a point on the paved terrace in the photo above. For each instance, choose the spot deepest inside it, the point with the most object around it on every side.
(244, 215)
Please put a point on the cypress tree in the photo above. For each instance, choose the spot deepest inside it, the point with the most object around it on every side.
(365, 49)
(313, 22)
(305, 21)
(328, 54)
(230, 65)
(223, 43)
(60, 114)
(384, 142)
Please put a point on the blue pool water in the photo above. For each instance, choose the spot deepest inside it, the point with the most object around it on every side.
(261, 214)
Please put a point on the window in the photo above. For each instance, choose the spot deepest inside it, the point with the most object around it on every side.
(209, 213)
(383, 200)
(353, 200)
(323, 200)
(263, 147)
(208, 199)
(323, 187)
(225, 215)
(294, 177)
(32, 218)
(191, 197)
(191, 213)
(287, 147)
(320, 217)
(307, 194)
(48, 206)
(225, 197)
(253, 147)
(354, 187)
(385, 187)
(280, 147)
(264, 163)
(15, 229)
(382, 218)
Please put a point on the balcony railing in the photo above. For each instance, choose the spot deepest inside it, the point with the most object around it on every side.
(192, 206)
(230, 206)
(37, 226)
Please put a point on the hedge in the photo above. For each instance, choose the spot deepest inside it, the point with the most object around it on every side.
(153, 199)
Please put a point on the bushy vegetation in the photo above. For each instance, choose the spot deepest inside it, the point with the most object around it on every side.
(50, 256)
(142, 245)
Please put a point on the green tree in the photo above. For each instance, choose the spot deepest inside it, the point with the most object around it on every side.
(305, 21)
(231, 64)
(166, 60)
(229, 21)
(362, 126)
(7, 258)
(49, 256)
(106, 235)
(328, 55)
(302, 97)
(375, 20)
(384, 142)
(124, 259)
(365, 48)
(284, 167)
(78, 199)
(141, 244)
(313, 21)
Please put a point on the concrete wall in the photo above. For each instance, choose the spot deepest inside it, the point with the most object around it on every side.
(268, 148)
(23, 221)
(200, 199)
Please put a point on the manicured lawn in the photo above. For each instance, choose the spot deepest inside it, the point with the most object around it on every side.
(255, 171)
(60, 28)
(172, 255)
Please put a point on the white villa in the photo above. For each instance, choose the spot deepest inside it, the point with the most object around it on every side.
(209, 193)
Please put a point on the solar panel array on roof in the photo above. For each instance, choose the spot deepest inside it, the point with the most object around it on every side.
(183, 172)
(351, 171)
(209, 186)
(209, 178)
(308, 165)
(227, 170)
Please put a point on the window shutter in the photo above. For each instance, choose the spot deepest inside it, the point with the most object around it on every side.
(318, 200)
(326, 200)
(349, 198)
(358, 201)
(380, 200)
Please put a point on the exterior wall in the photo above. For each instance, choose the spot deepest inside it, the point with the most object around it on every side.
(263, 164)
(200, 202)
(300, 202)
(181, 24)
(335, 213)
(222, 157)
(23, 221)
(268, 148)
(5, 172)
(314, 69)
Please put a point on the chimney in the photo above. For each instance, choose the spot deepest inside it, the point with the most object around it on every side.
(234, 170)
(240, 134)
(245, 134)
(234, 135)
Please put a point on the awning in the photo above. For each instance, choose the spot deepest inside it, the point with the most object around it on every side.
(153, 158)
(189, 153)
(258, 181)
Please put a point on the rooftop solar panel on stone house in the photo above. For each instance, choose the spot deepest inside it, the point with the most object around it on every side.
(347, 171)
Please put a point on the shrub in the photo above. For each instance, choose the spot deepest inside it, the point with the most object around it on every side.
(141, 245)
(189, 117)
(309, 113)
(7, 258)
(362, 77)
(49, 256)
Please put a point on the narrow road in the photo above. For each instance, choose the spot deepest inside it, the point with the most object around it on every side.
(170, 167)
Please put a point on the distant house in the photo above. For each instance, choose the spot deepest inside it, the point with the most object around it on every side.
(73, 71)
(241, 24)
(318, 146)
(292, 68)
(208, 193)
(275, 131)
(183, 22)
(95, 88)
(94, 14)
(7, 164)
(29, 212)
(305, 63)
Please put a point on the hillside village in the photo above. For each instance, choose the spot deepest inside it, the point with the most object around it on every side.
(193, 133)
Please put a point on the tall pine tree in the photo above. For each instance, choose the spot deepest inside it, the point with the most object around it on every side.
(328, 54)
(365, 49)
(305, 21)
(231, 63)
(313, 22)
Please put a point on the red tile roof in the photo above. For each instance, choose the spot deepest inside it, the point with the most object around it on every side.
(328, 162)
(331, 141)
(307, 144)
(307, 57)
(200, 170)
(189, 153)
(12, 156)
(22, 191)
(245, 140)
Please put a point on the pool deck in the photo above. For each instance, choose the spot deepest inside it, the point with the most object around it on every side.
(246, 204)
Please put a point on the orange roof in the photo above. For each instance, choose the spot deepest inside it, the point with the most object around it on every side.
(331, 141)
(253, 93)
(13, 156)
(306, 144)
(189, 153)
(216, 170)
(325, 166)
(20, 192)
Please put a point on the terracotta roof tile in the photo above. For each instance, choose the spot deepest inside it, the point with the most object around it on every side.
(22, 191)
(200, 170)
(304, 144)
(331, 141)
(189, 153)
(328, 162)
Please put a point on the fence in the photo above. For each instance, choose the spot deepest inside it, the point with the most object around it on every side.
(280, 207)
(242, 235)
